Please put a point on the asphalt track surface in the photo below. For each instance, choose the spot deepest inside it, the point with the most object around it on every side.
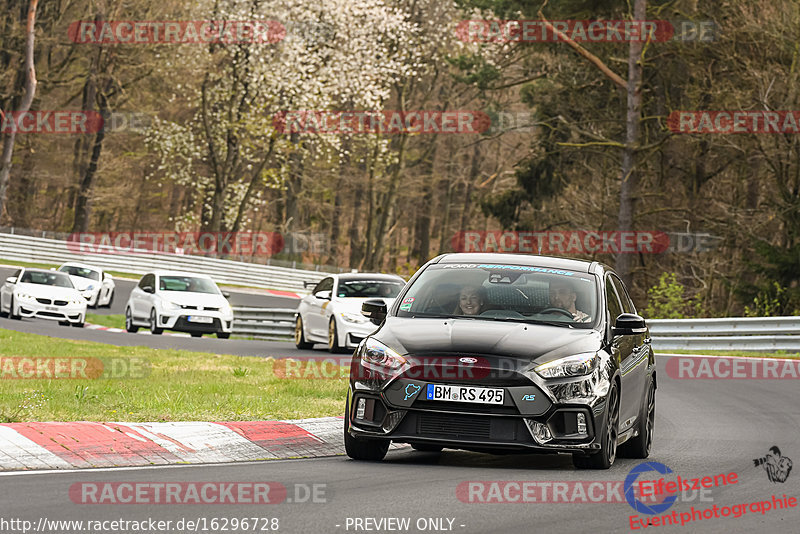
(703, 427)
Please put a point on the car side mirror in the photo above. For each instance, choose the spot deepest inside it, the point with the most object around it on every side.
(52, 268)
(324, 295)
(374, 310)
(11, 279)
(226, 294)
(148, 289)
(628, 324)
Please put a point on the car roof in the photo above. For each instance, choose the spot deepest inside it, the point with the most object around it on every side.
(550, 262)
(82, 265)
(347, 277)
(38, 270)
(179, 273)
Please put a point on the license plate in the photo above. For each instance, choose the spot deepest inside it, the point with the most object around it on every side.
(51, 308)
(200, 319)
(442, 392)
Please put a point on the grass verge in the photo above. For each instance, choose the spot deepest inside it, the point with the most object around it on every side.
(180, 386)
(740, 353)
(112, 321)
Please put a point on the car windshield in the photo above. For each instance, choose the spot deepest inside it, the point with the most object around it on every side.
(369, 288)
(46, 279)
(503, 293)
(83, 272)
(187, 283)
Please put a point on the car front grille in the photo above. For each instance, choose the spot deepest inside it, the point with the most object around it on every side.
(60, 302)
(454, 426)
(44, 301)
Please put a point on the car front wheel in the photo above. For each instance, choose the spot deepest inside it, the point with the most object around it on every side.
(370, 450)
(11, 313)
(333, 338)
(300, 336)
(129, 326)
(154, 329)
(639, 447)
(604, 458)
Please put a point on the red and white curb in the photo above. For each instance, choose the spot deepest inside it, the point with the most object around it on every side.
(90, 326)
(83, 444)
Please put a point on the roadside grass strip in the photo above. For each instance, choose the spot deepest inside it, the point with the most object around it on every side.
(49, 379)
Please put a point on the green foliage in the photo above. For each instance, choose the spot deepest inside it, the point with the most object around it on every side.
(666, 300)
(772, 301)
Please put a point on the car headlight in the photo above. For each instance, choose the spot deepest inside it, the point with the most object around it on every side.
(226, 309)
(578, 365)
(169, 305)
(374, 353)
(353, 317)
(23, 296)
(89, 287)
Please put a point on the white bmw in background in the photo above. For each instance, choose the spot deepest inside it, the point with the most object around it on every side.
(185, 302)
(43, 294)
(331, 314)
(96, 286)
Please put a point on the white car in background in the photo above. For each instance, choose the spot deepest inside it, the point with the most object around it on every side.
(331, 314)
(185, 302)
(96, 286)
(43, 294)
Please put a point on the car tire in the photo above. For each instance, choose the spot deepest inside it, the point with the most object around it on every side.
(333, 338)
(110, 299)
(77, 325)
(223, 335)
(2, 313)
(196, 334)
(129, 326)
(639, 447)
(426, 447)
(64, 323)
(604, 458)
(300, 336)
(11, 313)
(153, 322)
(369, 450)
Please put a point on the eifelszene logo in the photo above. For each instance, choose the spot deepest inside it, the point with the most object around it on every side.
(777, 467)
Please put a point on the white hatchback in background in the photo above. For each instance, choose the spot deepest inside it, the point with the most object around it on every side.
(331, 314)
(96, 286)
(43, 294)
(184, 302)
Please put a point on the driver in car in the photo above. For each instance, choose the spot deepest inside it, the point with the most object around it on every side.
(471, 301)
(564, 296)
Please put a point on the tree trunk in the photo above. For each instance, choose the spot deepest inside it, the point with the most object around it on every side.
(630, 178)
(27, 99)
(83, 204)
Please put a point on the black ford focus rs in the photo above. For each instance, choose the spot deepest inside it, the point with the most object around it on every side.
(505, 353)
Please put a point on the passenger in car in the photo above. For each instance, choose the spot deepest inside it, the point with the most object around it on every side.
(564, 296)
(471, 301)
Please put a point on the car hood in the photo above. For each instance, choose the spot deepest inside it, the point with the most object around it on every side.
(45, 291)
(82, 283)
(185, 298)
(527, 341)
(353, 304)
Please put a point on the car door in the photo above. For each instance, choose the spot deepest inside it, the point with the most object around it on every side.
(321, 299)
(622, 351)
(140, 300)
(640, 350)
(6, 289)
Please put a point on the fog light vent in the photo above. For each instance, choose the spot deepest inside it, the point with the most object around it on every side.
(582, 423)
(539, 431)
(361, 408)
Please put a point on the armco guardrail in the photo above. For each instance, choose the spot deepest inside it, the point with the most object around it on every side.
(40, 250)
(733, 333)
(263, 322)
(729, 333)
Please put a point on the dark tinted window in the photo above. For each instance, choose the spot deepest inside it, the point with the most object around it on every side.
(627, 303)
(324, 285)
(83, 272)
(46, 279)
(369, 288)
(187, 283)
(612, 301)
(148, 280)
